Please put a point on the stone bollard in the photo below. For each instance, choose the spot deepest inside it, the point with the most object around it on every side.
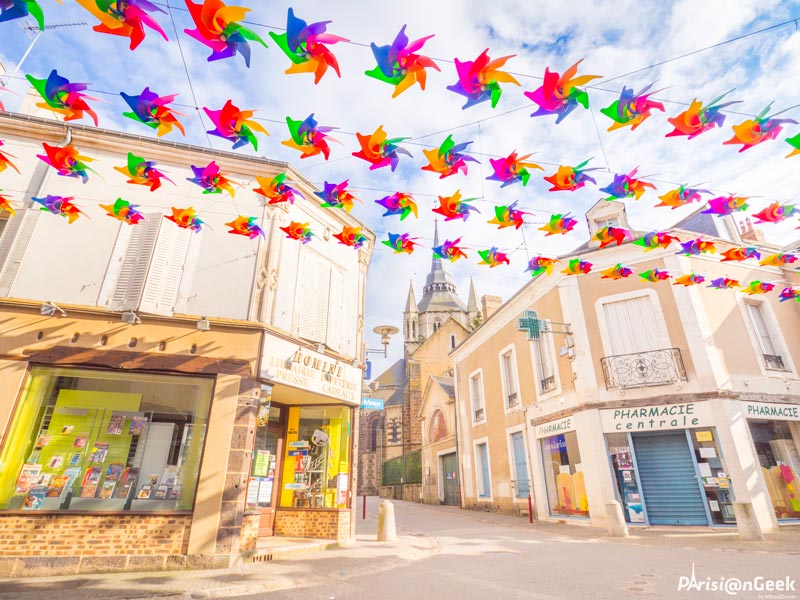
(616, 519)
(386, 528)
(746, 522)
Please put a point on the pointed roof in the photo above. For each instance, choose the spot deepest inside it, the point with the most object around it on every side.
(439, 293)
(473, 304)
(411, 303)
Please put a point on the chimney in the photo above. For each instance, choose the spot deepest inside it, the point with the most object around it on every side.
(489, 305)
(750, 233)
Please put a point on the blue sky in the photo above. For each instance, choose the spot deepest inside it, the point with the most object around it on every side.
(613, 38)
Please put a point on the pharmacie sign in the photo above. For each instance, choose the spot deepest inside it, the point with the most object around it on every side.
(778, 412)
(555, 427)
(657, 418)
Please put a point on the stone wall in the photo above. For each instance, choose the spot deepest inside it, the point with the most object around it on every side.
(323, 523)
(248, 539)
(369, 474)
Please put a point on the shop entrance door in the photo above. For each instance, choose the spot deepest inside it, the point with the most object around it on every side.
(449, 474)
(672, 492)
(522, 486)
(263, 489)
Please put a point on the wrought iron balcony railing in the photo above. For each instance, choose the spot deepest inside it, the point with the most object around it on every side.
(643, 369)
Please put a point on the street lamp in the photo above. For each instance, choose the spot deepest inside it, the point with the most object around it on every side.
(386, 332)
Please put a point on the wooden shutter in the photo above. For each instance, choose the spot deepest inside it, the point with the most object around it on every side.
(337, 312)
(314, 298)
(633, 326)
(135, 262)
(166, 269)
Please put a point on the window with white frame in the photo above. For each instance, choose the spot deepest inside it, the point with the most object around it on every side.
(612, 222)
(476, 392)
(509, 373)
(768, 343)
(545, 360)
(482, 472)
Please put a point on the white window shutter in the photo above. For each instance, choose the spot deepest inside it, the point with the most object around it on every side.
(314, 292)
(336, 311)
(166, 269)
(135, 263)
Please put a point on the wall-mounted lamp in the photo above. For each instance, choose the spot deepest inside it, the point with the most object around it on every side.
(130, 317)
(48, 309)
(203, 324)
(386, 332)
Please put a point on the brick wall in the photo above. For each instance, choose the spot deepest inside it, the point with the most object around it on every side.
(328, 524)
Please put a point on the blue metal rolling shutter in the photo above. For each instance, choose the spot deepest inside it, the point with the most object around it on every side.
(669, 484)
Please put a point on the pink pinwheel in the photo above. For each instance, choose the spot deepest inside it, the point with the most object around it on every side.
(126, 18)
(219, 28)
(400, 65)
(62, 96)
(236, 125)
(512, 169)
(480, 80)
(631, 109)
(561, 94)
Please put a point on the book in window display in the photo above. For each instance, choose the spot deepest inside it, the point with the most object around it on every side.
(138, 425)
(79, 441)
(74, 459)
(174, 492)
(58, 486)
(35, 498)
(99, 452)
(107, 489)
(161, 492)
(29, 476)
(91, 481)
(42, 441)
(115, 425)
(144, 492)
(127, 481)
(114, 471)
(56, 461)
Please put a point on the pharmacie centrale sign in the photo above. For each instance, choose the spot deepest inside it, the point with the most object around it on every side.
(655, 418)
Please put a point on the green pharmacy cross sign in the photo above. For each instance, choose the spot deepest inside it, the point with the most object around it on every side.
(530, 323)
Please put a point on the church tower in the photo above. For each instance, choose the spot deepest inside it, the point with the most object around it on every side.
(411, 322)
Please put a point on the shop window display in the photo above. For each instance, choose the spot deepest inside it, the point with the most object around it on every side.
(566, 489)
(714, 476)
(780, 464)
(264, 466)
(625, 476)
(84, 440)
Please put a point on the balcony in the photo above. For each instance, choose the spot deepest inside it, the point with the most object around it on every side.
(643, 369)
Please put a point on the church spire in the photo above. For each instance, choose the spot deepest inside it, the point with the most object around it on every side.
(436, 261)
(473, 304)
(411, 302)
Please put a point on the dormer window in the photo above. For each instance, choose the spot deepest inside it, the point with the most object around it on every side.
(613, 222)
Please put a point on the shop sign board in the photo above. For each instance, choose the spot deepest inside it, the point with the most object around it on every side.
(372, 403)
(555, 427)
(657, 418)
(771, 411)
(298, 452)
(299, 444)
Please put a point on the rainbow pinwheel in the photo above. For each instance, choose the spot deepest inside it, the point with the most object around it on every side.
(448, 159)
(63, 97)
(681, 196)
(723, 283)
(626, 186)
(308, 137)
(776, 212)
(562, 224)
(726, 205)
(336, 195)
(236, 125)
(126, 18)
(631, 109)
(60, 205)
(400, 242)
(541, 264)
(569, 179)
(761, 128)
(508, 216)
(610, 235)
(780, 259)
(212, 180)
(794, 142)
(67, 161)
(5, 161)
(453, 207)
(689, 279)
(578, 266)
(560, 94)
(186, 218)
(697, 247)
(398, 203)
(757, 287)
(351, 236)
(400, 65)
(124, 211)
(789, 293)
(246, 226)
(276, 190)
(449, 250)
(656, 239)
(512, 169)
(493, 257)
(142, 172)
(479, 80)
(698, 118)
(740, 254)
(219, 28)
(655, 275)
(380, 151)
(19, 9)
(152, 110)
(617, 272)
(298, 231)
(6, 206)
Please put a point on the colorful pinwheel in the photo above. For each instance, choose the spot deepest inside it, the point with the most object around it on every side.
(617, 272)
(723, 283)
(757, 287)
(308, 137)
(698, 118)
(752, 132)
(63, 97)
(124, 211)
(479, 80)
(449, 250)
(380, 151)
(5, 161)
(512, 169)
(298, 231)
(398, 203)
(152, 110)
(740, 254)
(304, 44)
(67, 161)
(275, 190)
(212, 180)
(776, 212)
(6, 206)
(697, 247)
(508, 216)
(726, 205)
(336, 195)
(626, 186)
(219, 28)
(790, 293)
(233, 124)
(541, 264)
(400, 242)
(794, 142)
(493, 257)
(186, 218)
(562, 224)
(19, 9)
(656, 239)
(578, 266)
(609, 235)
(351, 236)
(655, 275)
(453, 207)
(246, 226)
(448, 159)
(60, 205)
(780, 259)
(631, 109)
(400, 65)
(126, 18)
(689, 279)
(681, 196)
(560, 94)
(569, 179)
(142, 172)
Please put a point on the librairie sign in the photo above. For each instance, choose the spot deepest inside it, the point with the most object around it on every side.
(657, 418)
(779, 412)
